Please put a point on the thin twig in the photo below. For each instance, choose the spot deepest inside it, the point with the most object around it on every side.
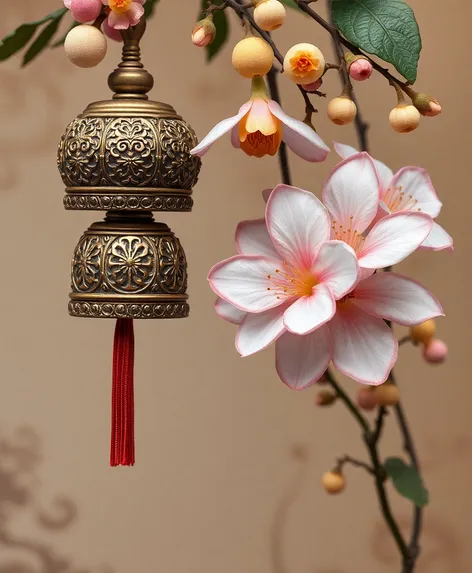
(341, 462)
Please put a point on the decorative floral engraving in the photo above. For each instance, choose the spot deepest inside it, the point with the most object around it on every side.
(86, 268)
(151, 202)
(130, 152)
(130, 264)
(129, 310)
(179, 169)
(79, 154)
(173, 266)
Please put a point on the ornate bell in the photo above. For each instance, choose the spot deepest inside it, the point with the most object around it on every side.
(128, 156)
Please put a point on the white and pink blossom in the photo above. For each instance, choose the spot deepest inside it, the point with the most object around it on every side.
(124, 13)
(409, 190)
(261, 125)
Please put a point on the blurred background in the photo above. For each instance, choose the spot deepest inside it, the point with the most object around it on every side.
(228, 459)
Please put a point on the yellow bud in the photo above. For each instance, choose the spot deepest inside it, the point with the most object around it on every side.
(333, 482)
(325, 398)
(404, 118)
(387, 394)
(423, 332)
(342, 110)
(85, 46)
(269, 14)
(252, 57)
(304, 64)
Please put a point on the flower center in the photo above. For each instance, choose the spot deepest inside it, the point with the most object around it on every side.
(303, 63)
(350, 236)
(120, 6)
(290, 282)
(258, 145)
(397, 200)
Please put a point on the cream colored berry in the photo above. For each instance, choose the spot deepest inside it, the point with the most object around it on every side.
(333, 482)
(423, 332)
(269, 14)
(404, 118)
(387, 394)
(85, 46)
(342, 110)
(252, 57)
(304, 64)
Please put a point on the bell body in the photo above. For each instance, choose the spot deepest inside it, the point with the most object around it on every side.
(129, 266)
(129, 156)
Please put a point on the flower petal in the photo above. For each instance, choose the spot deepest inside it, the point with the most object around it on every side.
(252, 238)
(394, 297)
(416, 183)
(260, 118)
(301, 138)
(385, 173)
(243, 281)
(336, 266)
(351, 194)
(438, 239)
(302, 360)
(393, 238)
(135, 13)
(308, 313)
(219, 130)
(67, 3)
(298, 223)
(235, 137)
(257, 331)
(118, 21)
(364, 347)
(228, 312)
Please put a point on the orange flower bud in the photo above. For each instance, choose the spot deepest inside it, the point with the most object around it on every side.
(252, 57)
(325, 398)
(333, 482)
(404, 118)
(423, 332)
(304, 64)
(342, 110)
(387, 394)
(269, 14)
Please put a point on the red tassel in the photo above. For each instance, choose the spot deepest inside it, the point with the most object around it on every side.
(122, 420)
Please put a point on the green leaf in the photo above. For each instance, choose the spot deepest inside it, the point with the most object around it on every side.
(222, 32)
(407, 481)
(385, 28)
(61, 40)
(290, 4)
(149, 8)
(42, 40)
(18, 39)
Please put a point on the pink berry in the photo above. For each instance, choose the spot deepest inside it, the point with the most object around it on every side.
(86, 10)
(435, 352)
(313, 87)
(360, 70)
(366, 399)
(111, 32)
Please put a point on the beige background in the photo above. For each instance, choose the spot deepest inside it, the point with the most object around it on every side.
(219, 487)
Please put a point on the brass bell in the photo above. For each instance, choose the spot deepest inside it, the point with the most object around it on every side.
(128, 156)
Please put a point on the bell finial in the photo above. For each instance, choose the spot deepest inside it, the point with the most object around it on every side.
(130, 80)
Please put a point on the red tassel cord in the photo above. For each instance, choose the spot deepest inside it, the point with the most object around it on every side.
(122, 420)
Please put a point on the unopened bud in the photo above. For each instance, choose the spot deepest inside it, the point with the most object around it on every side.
(204, 32)
(387, 394)
(404, 118)
(269, 14)
(426, 104)
(313, 87)
(333, 482)
(252, 57)
(360, 69)
(342, 110)
(325, 398)
(423, 332)
(366, 398)
(435, 352)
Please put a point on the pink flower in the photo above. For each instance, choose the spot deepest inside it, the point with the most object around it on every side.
(351, 195)
(261, 125)
(84, 10)
(111, 32)
(124, 13)
(409, 190)
(286, 278)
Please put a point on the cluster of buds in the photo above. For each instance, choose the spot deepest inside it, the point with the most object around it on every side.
(86, 45)
(434, 350)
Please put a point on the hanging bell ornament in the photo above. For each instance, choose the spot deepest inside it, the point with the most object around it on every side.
(128, 156)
